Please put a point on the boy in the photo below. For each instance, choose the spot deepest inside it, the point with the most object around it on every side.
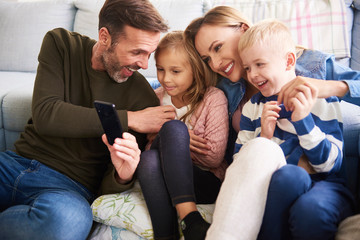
(309, 134)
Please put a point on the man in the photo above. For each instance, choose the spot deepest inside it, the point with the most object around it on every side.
(60, 161)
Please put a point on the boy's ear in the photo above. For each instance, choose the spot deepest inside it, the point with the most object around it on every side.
(290, 60)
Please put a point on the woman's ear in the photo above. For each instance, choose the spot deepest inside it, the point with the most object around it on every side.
(290, 60)
(104, 37)
(244, 27)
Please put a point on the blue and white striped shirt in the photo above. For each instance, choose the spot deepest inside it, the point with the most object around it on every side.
(318, 136)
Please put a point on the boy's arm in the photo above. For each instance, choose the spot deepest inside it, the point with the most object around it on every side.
(320, 139)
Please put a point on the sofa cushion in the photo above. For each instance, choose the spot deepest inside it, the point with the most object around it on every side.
(314, 24)
(8, 82)
(16, 110)
(23, 26)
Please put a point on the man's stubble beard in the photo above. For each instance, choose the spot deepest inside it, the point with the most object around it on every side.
(112, 66)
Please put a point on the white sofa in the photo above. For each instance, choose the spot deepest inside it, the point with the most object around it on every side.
(331, 26)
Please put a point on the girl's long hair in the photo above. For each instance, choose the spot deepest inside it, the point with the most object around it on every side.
(203, 77)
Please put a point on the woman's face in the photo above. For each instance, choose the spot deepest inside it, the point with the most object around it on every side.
(218, 47)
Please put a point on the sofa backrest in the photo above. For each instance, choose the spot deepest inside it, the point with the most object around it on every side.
(315, 24)
(23, 26)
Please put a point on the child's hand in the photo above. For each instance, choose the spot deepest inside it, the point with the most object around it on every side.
(198, 144)
(268, 119)
(303, 101)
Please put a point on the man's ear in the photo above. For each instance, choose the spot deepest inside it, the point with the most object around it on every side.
(104, 37)
(290, 60)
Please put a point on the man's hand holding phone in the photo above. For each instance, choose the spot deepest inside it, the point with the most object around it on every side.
(125, 156)
(123, 148)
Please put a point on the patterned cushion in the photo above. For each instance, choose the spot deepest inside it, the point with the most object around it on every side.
(128, 210)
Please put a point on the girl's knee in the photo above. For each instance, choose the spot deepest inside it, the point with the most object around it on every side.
(176, 127)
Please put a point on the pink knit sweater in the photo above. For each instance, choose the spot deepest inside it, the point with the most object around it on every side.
(210, 121)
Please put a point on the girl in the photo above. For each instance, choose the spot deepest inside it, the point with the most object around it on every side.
(185, 163)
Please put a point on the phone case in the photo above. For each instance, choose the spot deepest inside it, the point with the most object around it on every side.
(109, 120)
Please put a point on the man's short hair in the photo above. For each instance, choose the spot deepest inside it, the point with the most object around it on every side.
(141, 14)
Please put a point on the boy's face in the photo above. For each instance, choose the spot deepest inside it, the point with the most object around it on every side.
(265, 69)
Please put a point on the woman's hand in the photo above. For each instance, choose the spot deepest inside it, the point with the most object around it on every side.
(125, 156)
(198, 144)
(268, 119)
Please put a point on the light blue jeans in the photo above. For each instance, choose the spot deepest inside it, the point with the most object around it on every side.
(37, 202)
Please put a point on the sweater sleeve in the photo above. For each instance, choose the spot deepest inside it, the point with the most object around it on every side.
(52, 114)
(216, 128)
(109, 184)
(321, 139)
(336, 71)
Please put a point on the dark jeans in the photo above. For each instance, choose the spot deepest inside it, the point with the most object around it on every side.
(302, 206)
(168, 177)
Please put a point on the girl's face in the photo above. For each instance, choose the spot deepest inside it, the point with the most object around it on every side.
(174, 74)
(218, 47)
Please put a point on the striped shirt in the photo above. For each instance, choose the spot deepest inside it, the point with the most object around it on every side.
(318, 136)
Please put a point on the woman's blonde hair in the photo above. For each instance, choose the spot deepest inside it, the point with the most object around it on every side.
(272, 32)
(218, 16)
(203, 77)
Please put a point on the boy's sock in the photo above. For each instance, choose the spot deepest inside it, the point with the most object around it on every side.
(194, 227)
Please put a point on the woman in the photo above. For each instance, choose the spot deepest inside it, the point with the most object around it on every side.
(216, 36)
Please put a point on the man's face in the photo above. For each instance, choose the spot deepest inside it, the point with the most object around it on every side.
(129, 53)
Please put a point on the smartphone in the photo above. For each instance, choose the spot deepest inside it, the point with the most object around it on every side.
(109, 120)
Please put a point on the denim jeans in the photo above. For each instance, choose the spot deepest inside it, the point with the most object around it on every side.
(168, 177)
(303, 206)
(37, 202)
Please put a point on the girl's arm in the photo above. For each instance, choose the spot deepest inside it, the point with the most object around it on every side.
(215, 129)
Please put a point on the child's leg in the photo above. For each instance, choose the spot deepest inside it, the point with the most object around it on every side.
(163, 215)
(241, 202)
(317, 213)
(287, 184)
(170, 163)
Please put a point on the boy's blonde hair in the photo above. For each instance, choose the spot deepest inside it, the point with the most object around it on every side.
(203, 77)
(272, 32)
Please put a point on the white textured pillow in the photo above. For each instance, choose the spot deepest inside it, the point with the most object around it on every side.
(87, 17)
(23, 26)
(315, 24)
(128, 210)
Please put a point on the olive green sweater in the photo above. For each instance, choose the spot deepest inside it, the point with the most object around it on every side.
(64, 132)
